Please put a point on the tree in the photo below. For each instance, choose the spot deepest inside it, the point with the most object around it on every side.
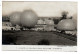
(64, 15)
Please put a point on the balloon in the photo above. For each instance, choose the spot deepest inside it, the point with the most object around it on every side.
(15, 18)
(29, 18)
(66, 24)
(75, 19)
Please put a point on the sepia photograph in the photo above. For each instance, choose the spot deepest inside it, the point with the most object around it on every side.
(39, 23)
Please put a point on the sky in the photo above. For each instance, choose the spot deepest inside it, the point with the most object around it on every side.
(43, 9)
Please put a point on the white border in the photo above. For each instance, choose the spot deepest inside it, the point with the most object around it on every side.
(39, 0)
(41, 52)
(55, 48)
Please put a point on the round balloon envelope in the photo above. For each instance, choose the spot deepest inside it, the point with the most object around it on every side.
(66, 24)
(29, 18)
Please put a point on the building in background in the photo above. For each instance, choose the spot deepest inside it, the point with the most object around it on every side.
(43, 24)
(6, 24)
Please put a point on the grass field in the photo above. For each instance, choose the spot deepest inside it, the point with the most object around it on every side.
(37, 38)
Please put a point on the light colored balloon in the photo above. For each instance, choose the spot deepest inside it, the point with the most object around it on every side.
(66, 24)
(15, 18)
(29, 18)
(75, 19)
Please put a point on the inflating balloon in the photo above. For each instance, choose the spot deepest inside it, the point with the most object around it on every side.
(29, 18)
(15, 18)
(66, 24)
